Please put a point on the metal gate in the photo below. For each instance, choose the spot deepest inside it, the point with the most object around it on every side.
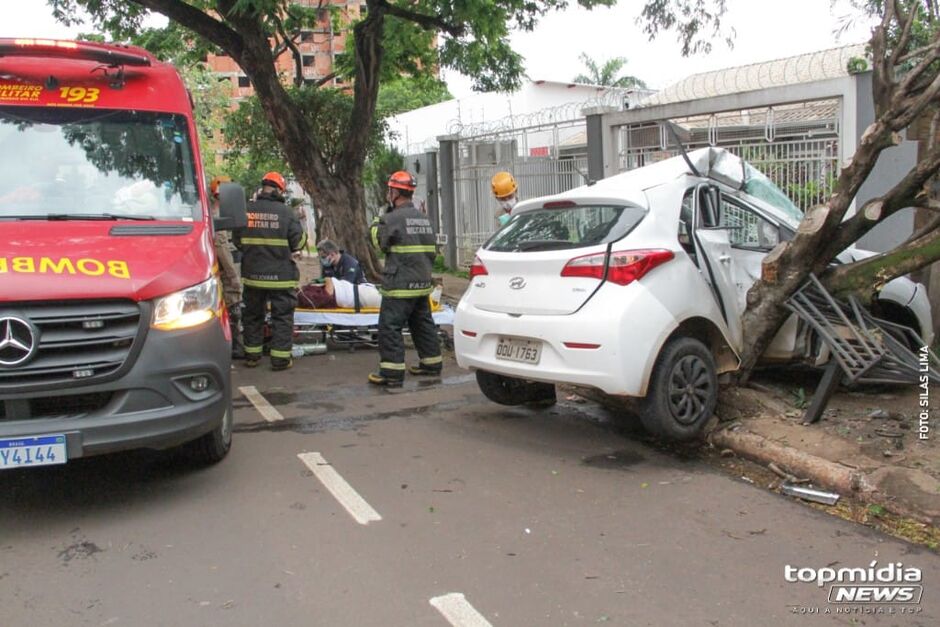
(546, 152)
(796, 146)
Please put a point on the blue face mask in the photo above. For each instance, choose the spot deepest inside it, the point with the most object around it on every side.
(324, 262)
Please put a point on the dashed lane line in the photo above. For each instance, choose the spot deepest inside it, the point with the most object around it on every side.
(264, 408)
(357, 507)
(458, 611)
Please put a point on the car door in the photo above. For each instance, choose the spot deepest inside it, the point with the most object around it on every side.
(712, 239)
(752, 237)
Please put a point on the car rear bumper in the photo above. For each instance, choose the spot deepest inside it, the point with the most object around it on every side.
(153, 405)
(627, 344)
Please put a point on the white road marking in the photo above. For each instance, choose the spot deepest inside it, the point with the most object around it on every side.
(344, 493)
(458, 611)
(264, 408)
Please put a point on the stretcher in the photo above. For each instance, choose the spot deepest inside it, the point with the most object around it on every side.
(351, 328)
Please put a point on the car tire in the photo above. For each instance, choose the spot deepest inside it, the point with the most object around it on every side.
(512, 391)
(213, 446)
(683, 390)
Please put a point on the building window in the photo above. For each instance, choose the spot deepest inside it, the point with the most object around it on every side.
(243, 81)
(308, 60)
(306, 36)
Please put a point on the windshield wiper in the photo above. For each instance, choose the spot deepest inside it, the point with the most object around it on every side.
(90, 216)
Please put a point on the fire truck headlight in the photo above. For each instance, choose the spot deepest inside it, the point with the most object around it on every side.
(188, 308)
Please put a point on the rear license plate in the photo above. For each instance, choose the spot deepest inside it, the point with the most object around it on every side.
(41, 450)
(514, 349)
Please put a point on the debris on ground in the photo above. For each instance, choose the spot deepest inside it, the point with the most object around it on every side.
(810, 494)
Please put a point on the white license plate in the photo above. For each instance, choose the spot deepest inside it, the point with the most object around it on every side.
(514, 349)
(40, 450)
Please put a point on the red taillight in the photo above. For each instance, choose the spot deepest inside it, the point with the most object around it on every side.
(625, 266)
(469, 333)
(477, 268)
(581, 345)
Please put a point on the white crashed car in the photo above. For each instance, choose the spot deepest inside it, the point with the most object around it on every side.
(635, 285)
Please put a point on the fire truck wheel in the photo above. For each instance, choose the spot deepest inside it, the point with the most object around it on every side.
(215, 445)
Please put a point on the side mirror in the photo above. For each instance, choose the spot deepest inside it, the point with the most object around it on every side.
(232, 208)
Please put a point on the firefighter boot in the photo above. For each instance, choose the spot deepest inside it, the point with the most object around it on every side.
(377, 378)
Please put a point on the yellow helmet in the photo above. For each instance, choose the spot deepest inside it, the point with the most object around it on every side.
(503, 184)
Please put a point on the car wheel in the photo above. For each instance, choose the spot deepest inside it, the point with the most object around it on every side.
(213, 446)
(512, 391)
(683, 390)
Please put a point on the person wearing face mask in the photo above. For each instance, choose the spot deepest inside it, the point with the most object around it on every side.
(339, 264)
(504, 189)
(406, 237)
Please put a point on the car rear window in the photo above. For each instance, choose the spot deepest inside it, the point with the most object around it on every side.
(558, 228)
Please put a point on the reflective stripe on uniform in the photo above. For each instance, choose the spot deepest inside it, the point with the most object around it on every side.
(432, 360)
(270, 285)
(280, 354)
(375, 235)
(417, 248)
(407, 293)
(265, 241)
(303, 242)
(390, 365)
(253, 350)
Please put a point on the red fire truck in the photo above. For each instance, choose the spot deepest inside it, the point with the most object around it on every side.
(113, 333)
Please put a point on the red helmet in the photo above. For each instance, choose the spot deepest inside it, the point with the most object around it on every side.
(402, 180)
(274, 179)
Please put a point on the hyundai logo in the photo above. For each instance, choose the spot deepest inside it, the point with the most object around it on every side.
(17, 341)
(517, 283)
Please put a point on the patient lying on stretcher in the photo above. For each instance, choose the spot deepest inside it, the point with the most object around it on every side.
(339, 294)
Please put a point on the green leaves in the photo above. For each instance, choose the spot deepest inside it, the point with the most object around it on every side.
(696, 22)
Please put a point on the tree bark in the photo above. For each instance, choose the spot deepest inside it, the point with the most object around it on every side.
(868, 276)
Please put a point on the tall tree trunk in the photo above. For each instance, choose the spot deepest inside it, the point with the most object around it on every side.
(338, 196)
(350, 231)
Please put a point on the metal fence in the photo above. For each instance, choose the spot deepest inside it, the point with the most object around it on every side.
(795, 146)
(477, 210)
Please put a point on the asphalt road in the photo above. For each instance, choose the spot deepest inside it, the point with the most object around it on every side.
(536, 517)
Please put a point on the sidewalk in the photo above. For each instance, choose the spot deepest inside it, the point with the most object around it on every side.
(867, 445)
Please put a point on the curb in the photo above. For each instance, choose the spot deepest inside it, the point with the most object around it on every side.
(868, 487)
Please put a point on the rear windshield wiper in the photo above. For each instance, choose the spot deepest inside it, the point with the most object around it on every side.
(78, 216)
(542, 244)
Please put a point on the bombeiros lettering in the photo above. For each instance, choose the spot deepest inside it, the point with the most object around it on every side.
(84, 266)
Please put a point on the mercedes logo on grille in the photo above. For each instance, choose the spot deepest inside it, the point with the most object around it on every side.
(18, 341)
(517, 283)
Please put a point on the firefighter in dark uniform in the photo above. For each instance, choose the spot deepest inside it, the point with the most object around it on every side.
(228, 273)
(269, 274)
(406, 237)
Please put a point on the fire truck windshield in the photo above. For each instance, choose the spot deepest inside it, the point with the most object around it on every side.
(66, 162)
